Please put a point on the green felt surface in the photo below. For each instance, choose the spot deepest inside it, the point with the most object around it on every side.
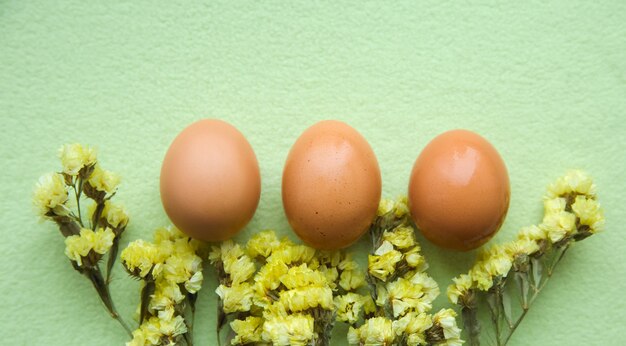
(544, 81)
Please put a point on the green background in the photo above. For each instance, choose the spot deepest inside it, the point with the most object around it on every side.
(544, 81)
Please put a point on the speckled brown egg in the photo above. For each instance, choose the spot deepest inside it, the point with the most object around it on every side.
(210, 181)
(331, 185)
(459, 190)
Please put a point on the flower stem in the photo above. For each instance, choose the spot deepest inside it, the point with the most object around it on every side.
(95, 276)
(536, 293)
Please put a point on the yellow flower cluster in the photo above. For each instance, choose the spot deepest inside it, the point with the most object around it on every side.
(102, 180)
(403, 291)
(172, 269)
(51, 195)
(291, 298)
(571, 213)
(75, 157)
(79, 247)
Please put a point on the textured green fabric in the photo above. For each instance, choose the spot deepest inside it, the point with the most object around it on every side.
(544, 81)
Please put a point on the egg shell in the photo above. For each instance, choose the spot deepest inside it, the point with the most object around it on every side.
(210, 181)
(331, 185)
(459, 190)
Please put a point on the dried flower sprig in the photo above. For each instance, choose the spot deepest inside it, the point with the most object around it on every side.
(401, 291)
(88, 238)
(171, 274)
(525, 265)
(293, 297)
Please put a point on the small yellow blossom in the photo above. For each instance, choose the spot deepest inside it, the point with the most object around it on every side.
(402, 207)
(406, 296)
(102, 240)
(351, 279)
(77, 247)
(115, 214)
(102, 180)
(235, 298)
(247, 331)
(558, 225)
(400, 237)
(51, 194)
(289, 254)
(446, 319)
(166, 294)
(348, 307)
(383, 263)
(413, 326)
(496, 261)
(295, 329)
(240, 269)
(262, 244)
(76, 156)
(304, 298)
(522, 246)
(574, 181)
(140, 255)
(415, 260)
(532, 233)
(303, 276)
(385, 206)
(481, 278)
(331, 274)
(462, 284)
(369, 306)
(589, 212)
(375, 331)
(429, 285)
(194, 283)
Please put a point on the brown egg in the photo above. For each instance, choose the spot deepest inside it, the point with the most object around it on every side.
(210, 181)
(331, 185)
(459, 190)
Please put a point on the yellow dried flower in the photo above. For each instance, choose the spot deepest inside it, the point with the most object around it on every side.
(194, 283)
(406, 296)
(77, 247)
(262, 244)
(351, 279)
(166, 294)
(401, 208)
(574, 181)
(589, 212)
(296, 329)
(140, 255)
(240, 269)
(292, 254)
(558, 225)
(400, 237)
(462, 284)
(303, 276)
(383, 263)
(304, 298)
(247, 331)
(522, 246)
(51, 194)
(76, 156)
(236, 298)
(348, 307)
(375, 331)
(532, 233)
(481, 278)
(446, 319)
(115, 214)
(385, 206)
(102, 180)
(413, 326)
